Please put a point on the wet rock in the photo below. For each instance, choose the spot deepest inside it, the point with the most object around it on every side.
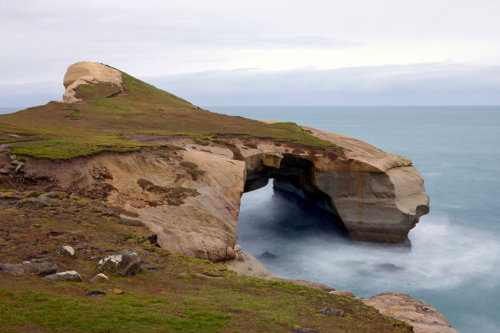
(29, 267)
(66, 250)
(267, 256)
(388, 267)
(124, 263)
(342, 293)
(131, 222)
(99, 278)
(298, 329)
(69, 276)
(333, 312)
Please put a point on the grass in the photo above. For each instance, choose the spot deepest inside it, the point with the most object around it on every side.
(156, 300)
(107, 118)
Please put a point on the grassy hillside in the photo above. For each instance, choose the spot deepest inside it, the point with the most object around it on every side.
(106, 119)
(173, 293)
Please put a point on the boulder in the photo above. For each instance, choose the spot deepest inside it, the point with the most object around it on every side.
(66, 250)
(69, 276)
(99, 278)
(124, 263)
(417, 313)
(29, 267)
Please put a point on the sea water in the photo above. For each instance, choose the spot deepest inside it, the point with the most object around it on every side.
(454, 261)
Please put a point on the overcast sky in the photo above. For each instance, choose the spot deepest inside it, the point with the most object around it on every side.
(231, 52)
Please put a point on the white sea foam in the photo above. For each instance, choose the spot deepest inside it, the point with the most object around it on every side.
(443, 254)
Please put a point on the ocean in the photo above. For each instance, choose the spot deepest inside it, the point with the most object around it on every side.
(454, 261)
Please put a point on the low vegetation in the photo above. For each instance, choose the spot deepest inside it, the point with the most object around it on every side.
(107, 118)
(173, 293)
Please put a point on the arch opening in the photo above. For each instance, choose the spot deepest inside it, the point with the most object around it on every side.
(294, 182)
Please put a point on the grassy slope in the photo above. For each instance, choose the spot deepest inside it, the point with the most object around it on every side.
(64, 130)
(157, 300)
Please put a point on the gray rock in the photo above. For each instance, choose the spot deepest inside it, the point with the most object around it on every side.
(123, 263)
(29, 267)
(31, 202)
(99, 278)
(388, 267)
(71, 276)
(332, 312)
(66, 250)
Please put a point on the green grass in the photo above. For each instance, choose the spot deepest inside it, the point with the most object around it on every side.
(156, 300)
(107, 118)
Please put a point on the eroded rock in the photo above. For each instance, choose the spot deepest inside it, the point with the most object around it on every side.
(99, 278)
(66, 250)
(417, 313)
(69, 276)
(29, 267)
(124, 263)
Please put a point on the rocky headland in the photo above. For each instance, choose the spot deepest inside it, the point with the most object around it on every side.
(162, 164)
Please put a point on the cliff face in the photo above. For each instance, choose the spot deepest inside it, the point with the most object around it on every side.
(190, 195)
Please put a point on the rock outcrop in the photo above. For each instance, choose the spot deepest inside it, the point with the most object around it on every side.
(422, 317)
(85, 73)
(191, 198)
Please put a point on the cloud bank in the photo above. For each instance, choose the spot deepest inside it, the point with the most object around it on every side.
(418, 84)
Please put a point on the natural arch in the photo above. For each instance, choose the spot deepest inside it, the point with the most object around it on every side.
(295, 177)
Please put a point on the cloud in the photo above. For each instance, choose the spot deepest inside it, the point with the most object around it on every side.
(418, 84)
(413, 84)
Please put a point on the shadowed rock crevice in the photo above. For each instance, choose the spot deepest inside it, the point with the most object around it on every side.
(294, 179)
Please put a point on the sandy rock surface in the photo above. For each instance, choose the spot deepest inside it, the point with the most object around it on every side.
(417, 313)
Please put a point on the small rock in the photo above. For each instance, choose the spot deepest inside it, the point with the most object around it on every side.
(333, 312)
(131, 222)
(95, 293)
(342, 293)
(388, 267)
(182, 276)
(124, 263)
(71, 276)
(267, 256)
(66, 250)
(99, 278)
(31, 202)
(298, 329)
(29, 267)
(42, 259)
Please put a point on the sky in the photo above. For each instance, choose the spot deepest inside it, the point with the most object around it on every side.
(232, 52)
